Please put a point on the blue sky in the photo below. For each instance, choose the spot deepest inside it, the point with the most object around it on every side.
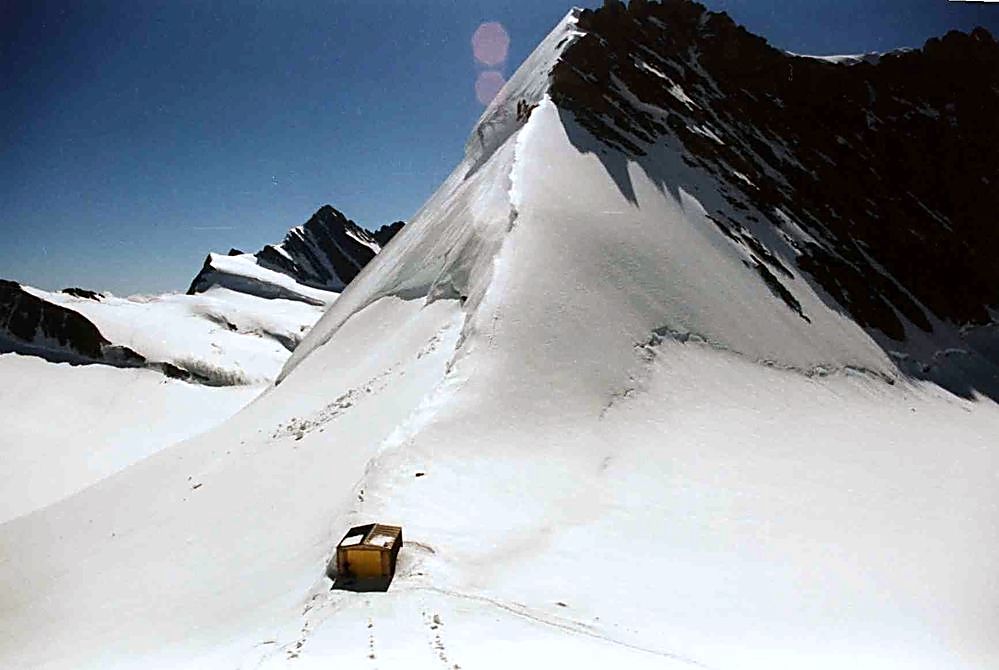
(136, 136)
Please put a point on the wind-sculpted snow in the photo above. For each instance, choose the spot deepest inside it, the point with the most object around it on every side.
(242, 273)
(521, 94)
(446, 251)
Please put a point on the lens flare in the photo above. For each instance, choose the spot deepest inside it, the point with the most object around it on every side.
(488, 85)
(490, 43)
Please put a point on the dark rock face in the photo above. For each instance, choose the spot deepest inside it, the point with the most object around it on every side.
(325, 253)
(40, 326)
(888, 164)
(83, 293)
(387, 232)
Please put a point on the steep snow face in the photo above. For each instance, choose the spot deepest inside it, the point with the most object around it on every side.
(665, 257)
(507, 112)
(447, 250)
(606, 434)
(638, 435)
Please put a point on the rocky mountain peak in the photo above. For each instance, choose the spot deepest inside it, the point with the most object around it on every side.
(325, 253)
(874, 176)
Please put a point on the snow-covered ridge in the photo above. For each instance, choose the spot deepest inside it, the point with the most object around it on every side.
(528, 85)
(31, 323)
(134, 375)
(447, 250)
(870, 57)
(220, 337)
(244, 273)
(451, 247)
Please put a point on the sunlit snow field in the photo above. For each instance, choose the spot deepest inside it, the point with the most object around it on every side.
(631, 453)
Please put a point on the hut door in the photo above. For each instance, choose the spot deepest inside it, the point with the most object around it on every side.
(365, 564)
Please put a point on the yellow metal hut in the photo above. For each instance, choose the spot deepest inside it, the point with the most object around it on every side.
(369, 552)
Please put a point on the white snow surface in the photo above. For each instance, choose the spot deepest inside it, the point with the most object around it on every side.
(872, 57)
(65, 427)
(225, 334)
(571, 370)
(242, 273)
(108, 418)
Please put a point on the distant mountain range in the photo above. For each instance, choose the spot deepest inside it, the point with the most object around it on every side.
(325, 253)
(226, 330)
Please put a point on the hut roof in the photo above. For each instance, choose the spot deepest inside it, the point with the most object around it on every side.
(372, 535)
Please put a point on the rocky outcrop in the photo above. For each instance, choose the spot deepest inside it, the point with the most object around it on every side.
(325, 254)
(876, 176)
(83, 293)
(387, 232)
(30, 324)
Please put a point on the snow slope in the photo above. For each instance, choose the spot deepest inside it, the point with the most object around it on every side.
(65, 427)
(244, 274)
(206, 559)
(607, 440)
(68, 426)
